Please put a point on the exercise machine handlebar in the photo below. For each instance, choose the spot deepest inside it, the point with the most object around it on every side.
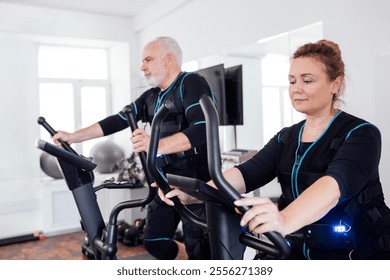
(159, 178)
(52, 131)
(69, 157)
(281, 247)
(129, 112)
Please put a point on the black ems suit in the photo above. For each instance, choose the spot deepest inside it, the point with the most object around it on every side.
(187, 117)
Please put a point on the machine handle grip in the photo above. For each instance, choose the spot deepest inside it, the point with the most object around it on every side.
(52, 131)
(129, 112)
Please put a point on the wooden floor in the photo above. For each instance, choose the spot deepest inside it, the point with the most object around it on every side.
(63, 247)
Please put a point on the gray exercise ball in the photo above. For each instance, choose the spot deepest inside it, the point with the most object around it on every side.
(49, 166)
(106, 154)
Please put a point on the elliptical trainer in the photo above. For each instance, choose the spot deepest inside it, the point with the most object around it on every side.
(78, 174)
(222, 223)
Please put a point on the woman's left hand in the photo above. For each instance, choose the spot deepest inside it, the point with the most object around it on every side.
(263, 216)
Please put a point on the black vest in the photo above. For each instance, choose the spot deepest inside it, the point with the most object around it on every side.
(175, 121)
(297, 170)
(366, 212)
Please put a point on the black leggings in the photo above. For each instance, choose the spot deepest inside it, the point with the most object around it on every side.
(161, 224)
(162, 220)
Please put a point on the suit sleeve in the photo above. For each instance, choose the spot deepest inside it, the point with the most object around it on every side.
(193, 88)
(357, 160)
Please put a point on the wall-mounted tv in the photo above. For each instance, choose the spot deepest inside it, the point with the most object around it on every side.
(226, 85)
(215, 76)
(233, 95)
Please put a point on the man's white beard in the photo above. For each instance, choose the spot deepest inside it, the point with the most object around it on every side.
(157, 79)
(154, 81)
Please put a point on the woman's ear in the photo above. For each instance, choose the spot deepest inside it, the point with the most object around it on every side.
(336, 85)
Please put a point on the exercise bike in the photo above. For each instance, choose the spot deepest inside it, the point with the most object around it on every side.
(78, 174)
(226, 237)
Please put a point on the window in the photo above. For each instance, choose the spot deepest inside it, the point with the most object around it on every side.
(56, 103)
(72, 63)
(73, 88)
(275, 94)
(95, 96)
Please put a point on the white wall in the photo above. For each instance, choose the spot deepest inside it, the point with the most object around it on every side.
(381, 73)
(362, 29)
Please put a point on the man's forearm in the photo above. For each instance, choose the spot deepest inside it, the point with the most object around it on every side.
(173, 144)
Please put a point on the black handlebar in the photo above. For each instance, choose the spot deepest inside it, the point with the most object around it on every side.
(42, 121)
(129, 111)
(154, 169)
(281, 248)
(214, 154)
(65, 155)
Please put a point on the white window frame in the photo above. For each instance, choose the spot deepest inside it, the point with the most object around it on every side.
(77, 85)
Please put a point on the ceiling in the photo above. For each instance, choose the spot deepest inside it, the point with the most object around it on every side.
(154, 9)
(120, 8)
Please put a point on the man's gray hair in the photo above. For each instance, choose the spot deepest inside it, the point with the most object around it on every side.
(170, 45)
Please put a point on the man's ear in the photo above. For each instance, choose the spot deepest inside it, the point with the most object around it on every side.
(170, 58)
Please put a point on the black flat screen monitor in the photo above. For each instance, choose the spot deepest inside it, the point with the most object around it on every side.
(233, 95)
(215, 76)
